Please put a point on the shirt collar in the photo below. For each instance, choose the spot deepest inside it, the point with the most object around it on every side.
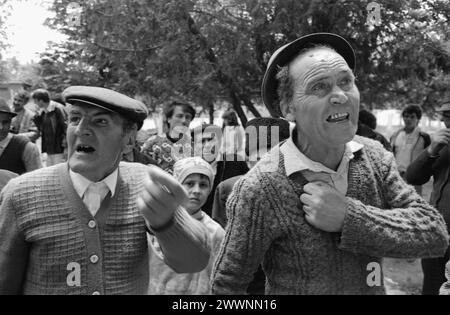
(50, 108)
(81, 183)
(295, 161)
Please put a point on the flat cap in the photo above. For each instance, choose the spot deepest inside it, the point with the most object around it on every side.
(107, 99)
(283, 55)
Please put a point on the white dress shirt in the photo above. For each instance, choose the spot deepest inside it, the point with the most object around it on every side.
(296, 161)
(92, 197)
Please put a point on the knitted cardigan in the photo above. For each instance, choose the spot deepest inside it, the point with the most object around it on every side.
(48, 236)
(385, 218)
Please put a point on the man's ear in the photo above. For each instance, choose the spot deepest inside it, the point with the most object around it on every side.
(287, 110)
(131, 135)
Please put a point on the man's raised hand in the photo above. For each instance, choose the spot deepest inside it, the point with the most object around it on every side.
(161, 197)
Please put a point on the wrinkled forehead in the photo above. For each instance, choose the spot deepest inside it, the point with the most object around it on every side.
(317, 62)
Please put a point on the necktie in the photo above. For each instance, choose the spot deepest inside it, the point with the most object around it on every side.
(94, 195)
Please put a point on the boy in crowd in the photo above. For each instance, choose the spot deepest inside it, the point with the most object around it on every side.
(408, 142)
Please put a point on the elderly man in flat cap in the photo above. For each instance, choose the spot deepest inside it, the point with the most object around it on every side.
(334, 204)
(81, 227)
(435, 162)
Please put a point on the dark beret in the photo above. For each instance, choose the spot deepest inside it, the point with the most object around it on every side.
(286, 53)
(107, 99)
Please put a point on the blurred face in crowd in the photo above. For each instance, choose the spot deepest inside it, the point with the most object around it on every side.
(96, 139)
(198, 188)
(411, 121)
(180, 117)
(445, 118)
(325, 102)
(5, 125)
(19, 103)
(40, 103)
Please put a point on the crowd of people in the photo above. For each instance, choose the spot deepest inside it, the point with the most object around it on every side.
(302, 202)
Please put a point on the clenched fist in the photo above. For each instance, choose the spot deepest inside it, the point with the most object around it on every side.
(325, 207)
(161, 198)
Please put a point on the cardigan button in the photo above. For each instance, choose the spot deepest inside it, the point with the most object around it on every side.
(94, 259)
(96, 293)
(92, 224)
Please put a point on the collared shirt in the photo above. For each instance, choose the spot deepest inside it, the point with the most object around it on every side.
(81, 183)
(30, 156)
(50, 108)
(295, 161)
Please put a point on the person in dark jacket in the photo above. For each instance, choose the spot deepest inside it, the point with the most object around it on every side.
(435, 162)
(408, 142)
(51, 122)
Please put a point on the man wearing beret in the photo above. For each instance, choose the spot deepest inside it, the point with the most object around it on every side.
(81, 227)
(321, 209)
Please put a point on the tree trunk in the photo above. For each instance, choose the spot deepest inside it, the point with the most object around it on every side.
(224, 79)
(211, 113)
(238, 108)
(250, 106)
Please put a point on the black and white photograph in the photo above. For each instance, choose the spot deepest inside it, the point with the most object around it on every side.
(224, 154)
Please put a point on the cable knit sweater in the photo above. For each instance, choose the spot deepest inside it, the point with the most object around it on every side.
(47, 236)
(385, 218)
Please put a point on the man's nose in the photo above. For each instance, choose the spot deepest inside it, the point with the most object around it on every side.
(338, 96)
(83, 128)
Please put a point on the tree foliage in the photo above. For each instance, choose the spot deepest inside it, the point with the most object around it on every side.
(206, 51)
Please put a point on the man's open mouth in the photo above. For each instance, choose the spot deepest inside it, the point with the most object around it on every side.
(84, 149)
(338, 117)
